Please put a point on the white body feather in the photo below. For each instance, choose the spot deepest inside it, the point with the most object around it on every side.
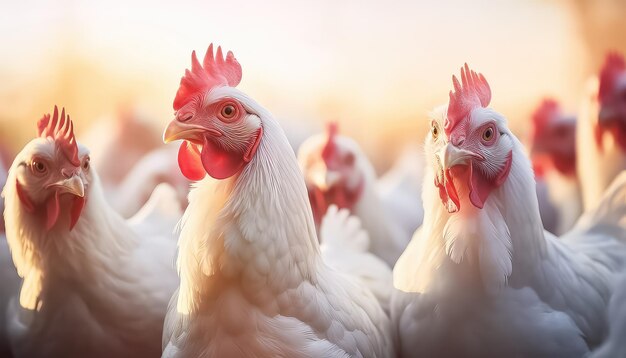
(344, 246)
(253, 283)
(615, 344)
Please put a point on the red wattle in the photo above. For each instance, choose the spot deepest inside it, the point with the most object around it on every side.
(451, 190)
(480, 186)
(52, 210)
(218, 162)
(77, 208)
(189, 161)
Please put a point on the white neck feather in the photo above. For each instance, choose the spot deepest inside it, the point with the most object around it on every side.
(256, 227)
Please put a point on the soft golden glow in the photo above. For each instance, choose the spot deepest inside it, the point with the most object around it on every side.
(374, 67)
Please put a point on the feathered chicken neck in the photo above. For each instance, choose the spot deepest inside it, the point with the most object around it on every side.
(99, 243)
(500, 243)
(255, 228)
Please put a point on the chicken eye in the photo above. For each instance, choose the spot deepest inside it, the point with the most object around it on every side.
(86, 163)
(228, 112)
(488, 134)
(38, 167)
(435, 131)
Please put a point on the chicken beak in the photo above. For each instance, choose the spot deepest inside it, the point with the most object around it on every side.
(192, 132)
(174, 131)
(73, 185)
(450, 156)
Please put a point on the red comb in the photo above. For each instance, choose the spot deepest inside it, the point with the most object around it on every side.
(473, 91)
(215, 71)
(546, 111)
(613, 65)
(61, 129)
(330, 148)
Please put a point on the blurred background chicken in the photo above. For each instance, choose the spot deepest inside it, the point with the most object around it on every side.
(337, 172)
(553, 153)
(601, 133)
(129, 154)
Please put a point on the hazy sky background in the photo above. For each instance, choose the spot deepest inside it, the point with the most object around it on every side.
(376, 67)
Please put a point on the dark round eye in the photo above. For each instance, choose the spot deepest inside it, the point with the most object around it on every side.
(38, 167)
(488, 134)
(86, 163)
(435, 131)
(228, 111)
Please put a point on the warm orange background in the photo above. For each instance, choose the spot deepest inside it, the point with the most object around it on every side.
(375, 66)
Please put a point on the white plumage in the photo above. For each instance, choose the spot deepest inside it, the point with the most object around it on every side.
(99, 290)
(253, 282)
(615, 344)
(344, 245)
(491, 282)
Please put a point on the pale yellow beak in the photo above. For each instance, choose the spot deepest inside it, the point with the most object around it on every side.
(73, 185)
(176, 130)
(450, 156)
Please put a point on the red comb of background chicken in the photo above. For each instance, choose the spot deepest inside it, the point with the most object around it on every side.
(214, 71)
(473, 91)
(547, 110)
(330, 149)
(61, 129)
(613, 65)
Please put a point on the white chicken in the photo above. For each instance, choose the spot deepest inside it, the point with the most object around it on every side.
(336, 171)
(253, 282)
(553, 152)
(92, 286)
(601, 131)
(482, 277)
